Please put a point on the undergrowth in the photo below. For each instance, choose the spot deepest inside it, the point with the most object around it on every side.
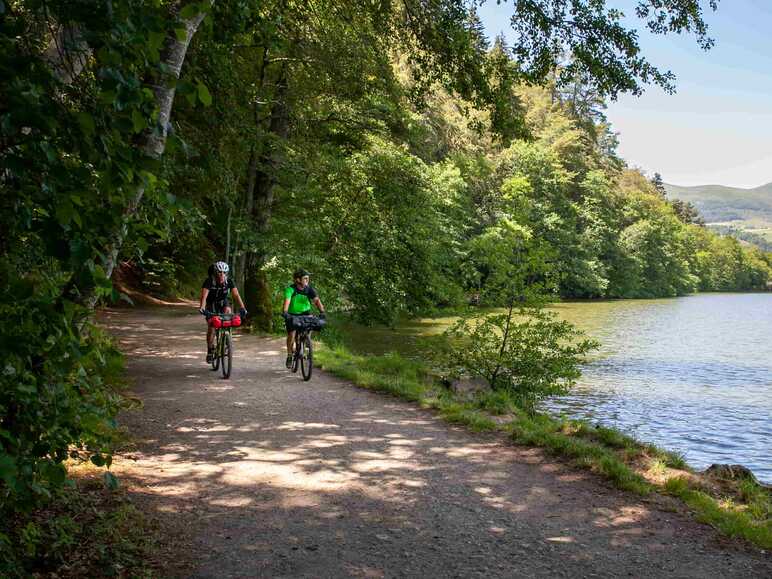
(86, 530)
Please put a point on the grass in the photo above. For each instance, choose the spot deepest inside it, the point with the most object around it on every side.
(749, 520)
(85, 531)
(741, 509)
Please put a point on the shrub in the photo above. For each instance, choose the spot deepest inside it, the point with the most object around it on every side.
(55, 398)
(526, 352)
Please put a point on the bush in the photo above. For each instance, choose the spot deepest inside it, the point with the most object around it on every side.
(55, 398)
(526, 352)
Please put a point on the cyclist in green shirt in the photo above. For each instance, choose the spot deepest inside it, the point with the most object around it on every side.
(297, 302)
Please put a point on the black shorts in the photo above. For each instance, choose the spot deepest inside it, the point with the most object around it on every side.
(288, 321)
(218, 307)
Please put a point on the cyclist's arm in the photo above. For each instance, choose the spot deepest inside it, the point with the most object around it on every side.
(238, 298)
(202, 301)
(285, 307)
(318, 304)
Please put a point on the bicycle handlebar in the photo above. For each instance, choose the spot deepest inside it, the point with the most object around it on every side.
(208, 314)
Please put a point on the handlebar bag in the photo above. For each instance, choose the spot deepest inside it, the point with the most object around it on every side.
(225, 321)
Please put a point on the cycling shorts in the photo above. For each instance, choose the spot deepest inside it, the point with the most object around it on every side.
(218, 307)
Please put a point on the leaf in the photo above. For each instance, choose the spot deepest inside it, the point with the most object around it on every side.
(138, 121)
(55, 473)
(190, 11)
(156, 39)
(111, 481)
(181, 34)
(204, 95)
(64, 213)
(86, 122)
(8, 468)
(98, 459)
(101, 279)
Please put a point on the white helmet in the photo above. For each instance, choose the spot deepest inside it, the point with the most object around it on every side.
(221, 267)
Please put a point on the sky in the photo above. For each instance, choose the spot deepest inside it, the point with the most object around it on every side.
(717, 128)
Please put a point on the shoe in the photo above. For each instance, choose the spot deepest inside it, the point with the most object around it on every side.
(289, 361)
(209, 355)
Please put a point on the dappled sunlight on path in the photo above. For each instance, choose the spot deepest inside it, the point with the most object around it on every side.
(271, 476)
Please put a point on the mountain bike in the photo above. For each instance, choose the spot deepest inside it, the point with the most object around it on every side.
(303, 356)
(223, 339)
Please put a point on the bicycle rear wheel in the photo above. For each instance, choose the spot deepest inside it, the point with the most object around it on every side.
(298, 354)
(227, 355)
(307, 360)
(217, 349)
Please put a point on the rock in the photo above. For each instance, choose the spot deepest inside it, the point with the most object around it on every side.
(469, 386)
(731, 472)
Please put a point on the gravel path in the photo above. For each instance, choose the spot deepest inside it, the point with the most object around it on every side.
(264, 475)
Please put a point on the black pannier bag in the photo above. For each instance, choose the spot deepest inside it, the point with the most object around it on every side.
(307, 323)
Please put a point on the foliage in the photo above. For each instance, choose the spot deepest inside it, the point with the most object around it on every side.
(58, 390)
(75, 108)
(87, 531)
(525, 352)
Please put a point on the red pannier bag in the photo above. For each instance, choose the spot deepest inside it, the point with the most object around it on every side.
(233, 322)
(226, 321)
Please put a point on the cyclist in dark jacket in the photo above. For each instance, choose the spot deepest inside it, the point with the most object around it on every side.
(215, 297)
(297, 302)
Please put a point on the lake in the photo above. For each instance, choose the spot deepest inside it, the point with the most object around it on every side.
(691, 374)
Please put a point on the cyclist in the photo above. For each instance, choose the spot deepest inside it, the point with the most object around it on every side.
(297, 302)
(215, 293)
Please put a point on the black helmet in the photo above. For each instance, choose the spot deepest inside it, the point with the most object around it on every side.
(300, 272)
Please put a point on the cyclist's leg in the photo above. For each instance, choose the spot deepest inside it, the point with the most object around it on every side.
(290, 341)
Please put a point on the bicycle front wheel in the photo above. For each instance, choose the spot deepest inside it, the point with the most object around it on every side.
(227, 355)
(307, 360)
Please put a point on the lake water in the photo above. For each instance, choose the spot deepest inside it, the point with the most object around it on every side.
(691, 374)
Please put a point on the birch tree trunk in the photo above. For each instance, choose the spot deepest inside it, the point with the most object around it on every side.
(155, 137)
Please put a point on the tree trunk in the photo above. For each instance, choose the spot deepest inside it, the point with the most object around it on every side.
(155, 137)
(257, 292)
(249, 205)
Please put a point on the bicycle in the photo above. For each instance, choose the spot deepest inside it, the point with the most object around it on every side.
(303, 355)
(223, 338)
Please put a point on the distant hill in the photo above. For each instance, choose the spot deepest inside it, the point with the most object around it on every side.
(719, 204)
(744, 213)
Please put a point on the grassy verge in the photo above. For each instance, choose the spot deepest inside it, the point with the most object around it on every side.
(741, 509)
(85, 531)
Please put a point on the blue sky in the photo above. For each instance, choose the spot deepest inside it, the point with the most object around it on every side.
(717, 128)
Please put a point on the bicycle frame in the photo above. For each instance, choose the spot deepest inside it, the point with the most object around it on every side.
(302, 355)
(223, 347)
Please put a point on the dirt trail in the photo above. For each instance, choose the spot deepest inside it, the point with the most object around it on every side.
(264, 475)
